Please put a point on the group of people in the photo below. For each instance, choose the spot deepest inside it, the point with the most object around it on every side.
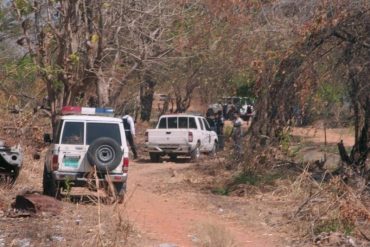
(216, 122)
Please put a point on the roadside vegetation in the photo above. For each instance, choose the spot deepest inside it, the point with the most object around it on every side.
(306, 63)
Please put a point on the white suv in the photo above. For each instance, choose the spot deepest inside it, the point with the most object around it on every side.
(85, 139)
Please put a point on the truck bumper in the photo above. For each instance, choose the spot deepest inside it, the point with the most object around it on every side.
(168, 149)
(80, 178)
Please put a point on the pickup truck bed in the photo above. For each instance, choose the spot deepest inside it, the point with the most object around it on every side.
(168, 141)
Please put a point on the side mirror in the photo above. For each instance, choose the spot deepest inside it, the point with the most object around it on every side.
(47, 138)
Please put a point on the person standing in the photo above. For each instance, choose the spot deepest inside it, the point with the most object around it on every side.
(237, 134)
(211, 119)
(129, 125)
(219, 120)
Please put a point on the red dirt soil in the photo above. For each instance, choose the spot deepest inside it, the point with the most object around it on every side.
(171, 219)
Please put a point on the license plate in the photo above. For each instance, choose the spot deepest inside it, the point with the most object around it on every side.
(71, 161)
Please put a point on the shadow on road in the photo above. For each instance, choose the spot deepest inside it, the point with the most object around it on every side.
(181, 160)
(87, 199)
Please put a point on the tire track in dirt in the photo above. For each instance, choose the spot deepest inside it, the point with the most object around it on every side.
(174, 220)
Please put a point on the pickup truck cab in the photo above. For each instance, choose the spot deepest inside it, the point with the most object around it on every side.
(86, 141)
(180, 134)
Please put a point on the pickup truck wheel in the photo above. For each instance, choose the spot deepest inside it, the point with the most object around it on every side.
(195, 154)
(214, 150)
(154, 157)
(105, 153)
(50, 187)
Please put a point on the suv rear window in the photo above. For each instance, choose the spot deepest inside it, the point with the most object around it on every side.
(97, 130)
(73, 133)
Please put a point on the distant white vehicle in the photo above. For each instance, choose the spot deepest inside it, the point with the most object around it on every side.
(246, 112)
(86, 139)
(180, 134)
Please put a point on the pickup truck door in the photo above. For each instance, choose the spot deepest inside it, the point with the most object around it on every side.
(208, 135)
(202, 134)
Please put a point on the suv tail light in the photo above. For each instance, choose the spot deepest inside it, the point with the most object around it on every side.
(55, 163)
(146, 136)
(125, 165)
(190, 136)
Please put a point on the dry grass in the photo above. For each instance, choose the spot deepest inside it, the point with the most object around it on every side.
(88, 223)
(320, 207)
(213, 235)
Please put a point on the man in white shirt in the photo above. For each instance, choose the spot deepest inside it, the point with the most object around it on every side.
(129, 125)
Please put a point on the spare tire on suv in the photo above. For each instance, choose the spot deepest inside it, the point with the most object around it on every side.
(104, 153)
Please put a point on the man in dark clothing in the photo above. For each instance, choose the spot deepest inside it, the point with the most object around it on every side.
(129, 126)
(219, 122)
(211, 120)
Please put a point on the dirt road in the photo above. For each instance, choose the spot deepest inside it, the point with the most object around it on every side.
(165, 204)
(166, 211)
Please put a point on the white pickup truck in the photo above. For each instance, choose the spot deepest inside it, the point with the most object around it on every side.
(180, 134)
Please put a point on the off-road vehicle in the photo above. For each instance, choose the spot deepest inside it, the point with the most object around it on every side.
(10, 162)
(86, 142)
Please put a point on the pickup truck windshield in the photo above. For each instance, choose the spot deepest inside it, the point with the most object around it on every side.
(97, 130)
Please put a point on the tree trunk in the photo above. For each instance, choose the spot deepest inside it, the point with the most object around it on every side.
(102, 89)
(146, 97)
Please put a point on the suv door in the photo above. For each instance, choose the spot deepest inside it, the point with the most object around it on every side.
(96, 130)
(72, 148)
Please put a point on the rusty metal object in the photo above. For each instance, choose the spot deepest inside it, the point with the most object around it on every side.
(32, 204)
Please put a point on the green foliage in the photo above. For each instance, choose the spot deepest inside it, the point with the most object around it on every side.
(244, 83)
(334, 225)
(68, 184)
(52, 72)
(20, 74)
(250, 178)
(222, 191)
(24, 6)
(256, 179)
(74, 58)
(285, 140)
(330, 94)
(2, 16)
